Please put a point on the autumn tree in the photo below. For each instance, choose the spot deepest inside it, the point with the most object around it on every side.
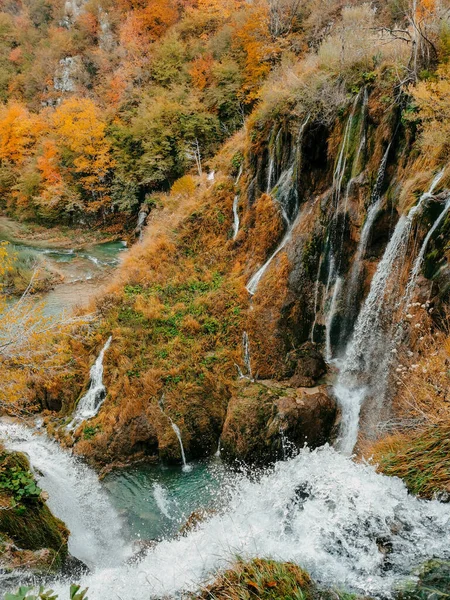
(80, 133)
(432, 99)
(19, 131)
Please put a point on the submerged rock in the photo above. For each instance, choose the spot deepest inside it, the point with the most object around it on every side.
(265, 421)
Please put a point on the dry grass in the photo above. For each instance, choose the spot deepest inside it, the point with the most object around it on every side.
(419, 448)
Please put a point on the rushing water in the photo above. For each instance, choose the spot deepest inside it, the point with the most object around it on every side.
(364, 369)
(75, 496)
(320, 510)
(90, 403)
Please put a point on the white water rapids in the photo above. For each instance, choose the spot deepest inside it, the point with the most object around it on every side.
(320, 510)
(75, 496)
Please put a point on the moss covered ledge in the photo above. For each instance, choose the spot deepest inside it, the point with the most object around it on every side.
(30, 535)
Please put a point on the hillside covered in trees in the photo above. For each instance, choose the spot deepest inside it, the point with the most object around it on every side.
(258, 194)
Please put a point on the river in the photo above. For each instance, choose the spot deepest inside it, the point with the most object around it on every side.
(76, 272)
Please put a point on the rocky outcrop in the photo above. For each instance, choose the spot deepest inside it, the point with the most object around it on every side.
(266, 420)
(305, 366)
(29, 533)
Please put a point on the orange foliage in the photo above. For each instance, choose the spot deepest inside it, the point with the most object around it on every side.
(253, 37)
(19, 130)
(79, 126)
(200, 71)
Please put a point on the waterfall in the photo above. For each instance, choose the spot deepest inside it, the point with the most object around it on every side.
(284, 188)
(319, 510)
(366, 232)
(235, 216)
(75, 496)
(419, 260)
(330, 317)
(333, 266)
(252, 285)
(236, 206)
(186, 467)
(90, 403)
(366, 358)
(217, 453)
(273, 149)
(341, 164)
(246, 353)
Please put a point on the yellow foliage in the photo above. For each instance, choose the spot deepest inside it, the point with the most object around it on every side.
(433, 101)
(185, 186)
(79, 126)
(19, 130)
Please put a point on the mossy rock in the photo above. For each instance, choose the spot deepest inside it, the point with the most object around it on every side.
(267, 580)
(264, 418)
(29, 522)
(434, 582)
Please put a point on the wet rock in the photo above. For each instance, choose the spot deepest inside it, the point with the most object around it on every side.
(305, 366)
(137, 436)
(74, 567)
(265, 420)
(194, 519)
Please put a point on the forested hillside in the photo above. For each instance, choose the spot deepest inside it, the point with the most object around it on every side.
(261, 373)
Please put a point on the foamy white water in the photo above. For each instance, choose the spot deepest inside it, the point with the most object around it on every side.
(365, 365)
(319, 510)
(90, 403)
(75, 496)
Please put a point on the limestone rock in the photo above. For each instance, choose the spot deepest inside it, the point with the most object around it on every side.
(265, 417)
(305, 366)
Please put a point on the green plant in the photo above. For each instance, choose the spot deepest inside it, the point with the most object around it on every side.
(89, 431)
(19, 483)
(23, 593)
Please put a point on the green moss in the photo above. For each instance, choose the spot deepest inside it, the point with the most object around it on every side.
(434, 583)
(29, 522)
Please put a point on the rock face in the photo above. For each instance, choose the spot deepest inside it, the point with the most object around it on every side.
(29, 533)
(265, 419)
(305, 366)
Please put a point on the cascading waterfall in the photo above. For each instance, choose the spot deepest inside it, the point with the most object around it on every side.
(319, 510)
(333, 265)
(235, 216)
(364, 368)
(366, 232)
(284, 189)
(252, 285)
(177, 431)
(75, 496)
(90, 403)
(273, 148)
(246, 353)
(236, 206)
(330, 317)
(419, 260)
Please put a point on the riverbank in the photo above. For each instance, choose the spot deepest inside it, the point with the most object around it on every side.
(63, 268)
(19, 232)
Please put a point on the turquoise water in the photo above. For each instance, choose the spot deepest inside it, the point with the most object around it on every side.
(155, 501)
(78, 273)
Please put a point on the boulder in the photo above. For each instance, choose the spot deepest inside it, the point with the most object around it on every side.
(266, 421)
(305, 366)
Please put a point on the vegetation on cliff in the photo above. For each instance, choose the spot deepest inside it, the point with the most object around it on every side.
(30, 536)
